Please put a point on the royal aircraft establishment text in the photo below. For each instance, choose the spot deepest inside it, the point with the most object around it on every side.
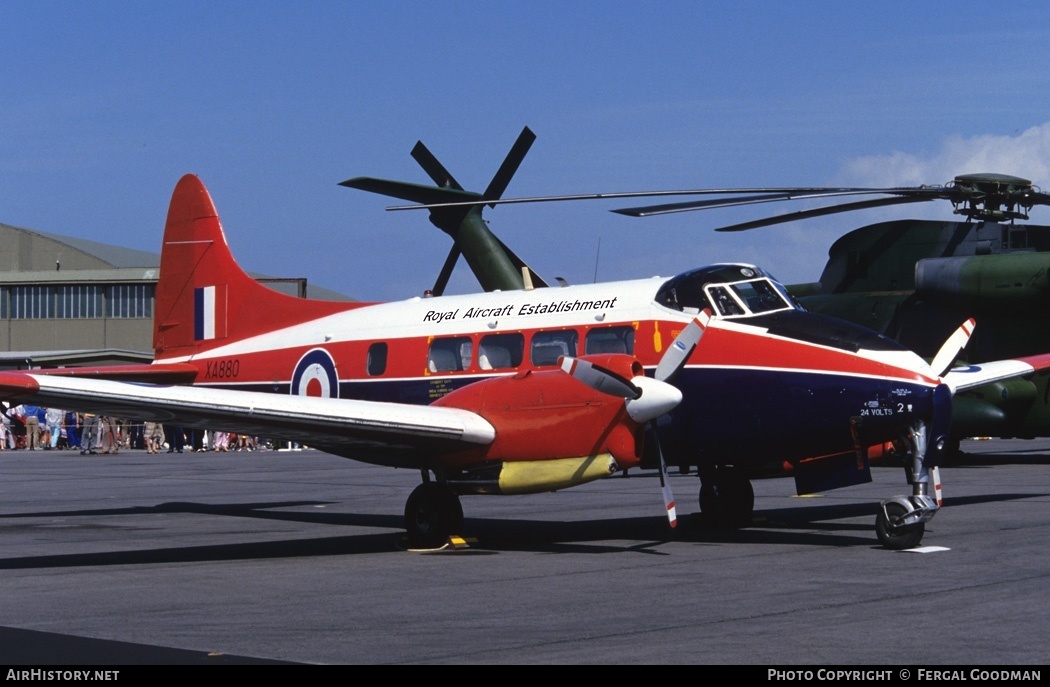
(526, 309)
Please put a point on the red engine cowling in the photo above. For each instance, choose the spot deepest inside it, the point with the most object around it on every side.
(549, 415)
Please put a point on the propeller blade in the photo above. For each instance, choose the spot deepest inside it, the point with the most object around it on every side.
(645, 398)
(600, 378)
(951, 349)
(434, 169)
(510, 165)
(665, 486)
(682, 347)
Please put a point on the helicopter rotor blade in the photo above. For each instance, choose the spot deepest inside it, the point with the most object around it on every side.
(433, 167)
(510, 165)
(446, 270)
(829, 210)
(687, 206)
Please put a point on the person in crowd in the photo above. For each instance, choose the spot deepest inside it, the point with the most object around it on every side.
(54, 418)
(153, 435)
(73, 430)
(32, 423)
(89, 434)
(176, 438)
(7, 439)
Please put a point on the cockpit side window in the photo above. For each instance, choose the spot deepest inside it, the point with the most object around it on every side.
(724, 302)
(760, 296)
(728, 290)
(746, 298)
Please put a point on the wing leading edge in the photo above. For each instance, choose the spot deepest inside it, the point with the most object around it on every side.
(970, 376)
(385, 433)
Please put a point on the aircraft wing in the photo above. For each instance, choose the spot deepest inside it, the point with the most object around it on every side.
(390, 433)
(962, 378)
(156, 373)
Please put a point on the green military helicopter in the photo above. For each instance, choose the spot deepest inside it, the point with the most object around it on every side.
(912, 280)
(916, 280)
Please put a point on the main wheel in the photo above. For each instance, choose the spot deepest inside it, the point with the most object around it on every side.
(897, 537)
(727, 498)
(432, 514)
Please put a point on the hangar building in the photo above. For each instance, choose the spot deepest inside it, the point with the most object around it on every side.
(68, 301)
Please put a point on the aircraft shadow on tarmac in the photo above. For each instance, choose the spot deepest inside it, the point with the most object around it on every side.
(816, 525)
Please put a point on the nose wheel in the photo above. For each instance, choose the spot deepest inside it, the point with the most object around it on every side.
(433, 513)
(727, 498)
(901, 522)
(893, 530)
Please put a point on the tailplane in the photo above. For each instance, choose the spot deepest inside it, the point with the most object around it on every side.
(204, 299)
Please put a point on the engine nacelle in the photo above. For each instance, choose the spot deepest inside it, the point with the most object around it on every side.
(552, 432)
(986, 279)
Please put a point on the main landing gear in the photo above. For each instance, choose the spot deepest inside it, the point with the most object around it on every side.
(727, 499)
(433, 513)
(901, 522)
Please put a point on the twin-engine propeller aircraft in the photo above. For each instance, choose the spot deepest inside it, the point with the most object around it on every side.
(514, 392)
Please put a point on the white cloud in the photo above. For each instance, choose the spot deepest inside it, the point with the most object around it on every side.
(1024, 155)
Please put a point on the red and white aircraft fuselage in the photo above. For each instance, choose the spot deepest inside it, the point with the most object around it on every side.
(530, 390)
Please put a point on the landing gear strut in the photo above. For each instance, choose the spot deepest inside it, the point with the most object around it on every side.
(433, 514)
(901, 522)
(726, 497)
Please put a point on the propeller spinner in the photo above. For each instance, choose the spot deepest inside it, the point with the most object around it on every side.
(647, 398)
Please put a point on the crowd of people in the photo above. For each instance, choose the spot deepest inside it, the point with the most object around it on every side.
(35, 428)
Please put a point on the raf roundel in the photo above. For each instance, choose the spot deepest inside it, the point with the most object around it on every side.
(315, 375)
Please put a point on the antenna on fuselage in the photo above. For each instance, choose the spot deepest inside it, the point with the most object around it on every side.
(597, 254)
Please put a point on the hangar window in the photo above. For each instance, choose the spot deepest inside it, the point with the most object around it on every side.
(78, 301)
(377, 353)
(129, 300)
(32, 302)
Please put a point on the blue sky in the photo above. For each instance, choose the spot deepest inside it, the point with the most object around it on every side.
(107, 104)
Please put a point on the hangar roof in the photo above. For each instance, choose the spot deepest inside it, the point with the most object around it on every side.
(33, 256)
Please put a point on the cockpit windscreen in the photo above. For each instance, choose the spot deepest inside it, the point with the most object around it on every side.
(722, 290)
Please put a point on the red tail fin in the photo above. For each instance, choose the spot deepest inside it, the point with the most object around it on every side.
(204, 298)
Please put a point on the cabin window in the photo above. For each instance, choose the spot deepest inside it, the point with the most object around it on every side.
(547, 347)
(450, 355)
(610, 340)
(376, 363)
(500, 351)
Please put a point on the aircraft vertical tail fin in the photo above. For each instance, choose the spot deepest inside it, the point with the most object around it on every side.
(204, 299)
